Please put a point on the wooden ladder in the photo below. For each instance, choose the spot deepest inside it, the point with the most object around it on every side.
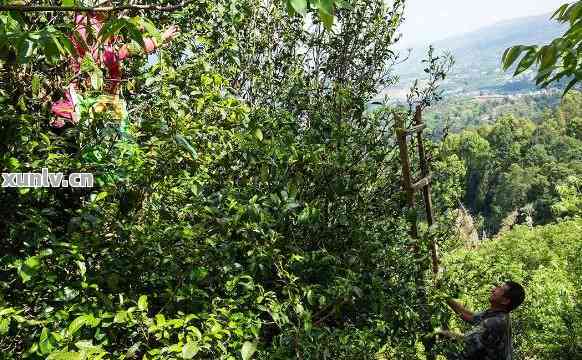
(423, 184)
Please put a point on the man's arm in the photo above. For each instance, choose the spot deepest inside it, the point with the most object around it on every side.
(461, 310)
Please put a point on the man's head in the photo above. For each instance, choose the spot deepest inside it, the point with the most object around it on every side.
(508, 296)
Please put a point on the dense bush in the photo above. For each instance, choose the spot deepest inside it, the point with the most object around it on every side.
(251, 207)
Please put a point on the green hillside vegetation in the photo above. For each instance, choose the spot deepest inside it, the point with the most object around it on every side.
(546, 260)
(455, 114)
(517, 165)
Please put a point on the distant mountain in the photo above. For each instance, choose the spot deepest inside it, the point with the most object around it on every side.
(478, 55)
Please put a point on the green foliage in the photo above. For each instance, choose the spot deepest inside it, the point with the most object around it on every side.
(21, 42)
(23, 37)
(436, 67)
(557, 60)
(325, 8)
(455, 114)
(570, 203)
(515, 162)
(546, 262)
(252, 209)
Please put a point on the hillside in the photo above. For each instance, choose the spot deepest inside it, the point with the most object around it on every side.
(456, 113)
(478, 54)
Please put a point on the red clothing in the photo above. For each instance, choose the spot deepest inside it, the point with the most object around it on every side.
(107, 54)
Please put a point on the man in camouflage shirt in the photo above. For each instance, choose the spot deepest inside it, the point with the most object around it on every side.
(490, 338)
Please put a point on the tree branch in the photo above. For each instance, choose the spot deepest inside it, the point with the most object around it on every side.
(27, 8)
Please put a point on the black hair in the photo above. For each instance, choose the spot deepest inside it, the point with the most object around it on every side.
(515, 293)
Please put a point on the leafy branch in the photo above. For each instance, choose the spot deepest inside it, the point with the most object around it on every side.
(437, 69)
(41, 8)
(557, 60)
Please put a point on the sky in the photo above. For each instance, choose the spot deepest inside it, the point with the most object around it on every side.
(432, 20)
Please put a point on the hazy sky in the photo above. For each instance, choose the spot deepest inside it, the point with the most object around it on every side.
(430, 20)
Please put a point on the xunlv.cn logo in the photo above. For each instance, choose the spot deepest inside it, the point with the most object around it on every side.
(46, 179)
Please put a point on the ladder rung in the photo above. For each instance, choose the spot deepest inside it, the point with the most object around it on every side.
(410, 131)
(415, 129)
(422, 182)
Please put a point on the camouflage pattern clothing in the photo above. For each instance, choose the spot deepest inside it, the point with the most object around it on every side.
(490, 338)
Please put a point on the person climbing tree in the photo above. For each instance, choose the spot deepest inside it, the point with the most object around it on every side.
(490, 338)
(104, 53)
